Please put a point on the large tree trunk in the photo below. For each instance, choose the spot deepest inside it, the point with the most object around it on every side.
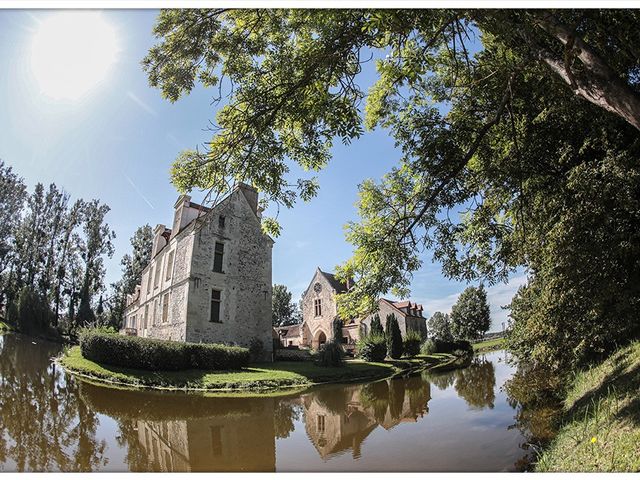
(598, 83)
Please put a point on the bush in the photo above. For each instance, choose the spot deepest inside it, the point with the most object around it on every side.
(394, 337)
(412, 343)
(12, 314)
(331, 355)
(293, 355)
(428, 347)
(372, 348)
(256, 349)
(152, 354)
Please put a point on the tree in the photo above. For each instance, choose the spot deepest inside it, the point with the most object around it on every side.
(440, 327)
(336, 330)
(284, 311)
(376, 326)
(470, 317)
(132, 267)
(12, 197)
(394, 337)
(503, 114)
(97, 243)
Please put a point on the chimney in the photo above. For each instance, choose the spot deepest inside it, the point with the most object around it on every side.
(179, 217)
(251, 194)
(159, 240)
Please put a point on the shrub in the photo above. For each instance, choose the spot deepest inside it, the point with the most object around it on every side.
(331, 355)
(293, 355)
(456, 347)
(412, 343)
(256, 349)
(12, 314)
(428, 347)
(376, 325)
(152, 354)
(372, 348)
(394, 337)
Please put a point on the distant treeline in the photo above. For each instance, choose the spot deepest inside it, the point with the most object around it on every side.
(52, 253)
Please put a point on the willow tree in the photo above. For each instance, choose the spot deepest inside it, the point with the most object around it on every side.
(505, 114)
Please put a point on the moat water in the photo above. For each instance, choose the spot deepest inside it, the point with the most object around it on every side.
(455, 421)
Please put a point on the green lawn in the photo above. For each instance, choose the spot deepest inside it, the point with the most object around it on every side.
(489, 345)
(262, 376)
(5, 327)
(601, 428)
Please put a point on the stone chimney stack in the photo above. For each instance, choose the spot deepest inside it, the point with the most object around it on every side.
(180, 219)
(159, 240)
(251, 194)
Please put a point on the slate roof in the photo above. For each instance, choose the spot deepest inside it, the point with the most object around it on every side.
(336, 284)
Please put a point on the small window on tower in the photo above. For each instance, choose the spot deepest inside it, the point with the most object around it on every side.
(215, 306)
(221, 221)
(217, 257)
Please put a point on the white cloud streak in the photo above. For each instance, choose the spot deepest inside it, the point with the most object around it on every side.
(138, 101)
(137, 190)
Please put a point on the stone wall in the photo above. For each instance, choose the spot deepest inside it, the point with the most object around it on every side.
(405, 322)
(245, 283)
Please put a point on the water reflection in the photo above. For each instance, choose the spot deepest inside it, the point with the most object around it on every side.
(44, 426)
(337, 423)
(50, 422)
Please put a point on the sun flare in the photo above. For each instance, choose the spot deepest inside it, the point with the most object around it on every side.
(72, 52)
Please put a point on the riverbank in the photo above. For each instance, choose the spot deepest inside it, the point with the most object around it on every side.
(601, 419)
(264, 377)
(489, 345)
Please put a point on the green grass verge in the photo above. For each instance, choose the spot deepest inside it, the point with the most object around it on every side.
(601, 427)
(5, 327)
(489, 345)
(258, 377)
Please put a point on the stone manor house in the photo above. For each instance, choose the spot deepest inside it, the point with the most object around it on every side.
(319, 309)
(209, 279)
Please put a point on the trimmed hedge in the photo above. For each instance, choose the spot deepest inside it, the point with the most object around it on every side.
(152, 354)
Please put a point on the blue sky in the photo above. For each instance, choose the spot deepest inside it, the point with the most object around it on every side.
(117, 142)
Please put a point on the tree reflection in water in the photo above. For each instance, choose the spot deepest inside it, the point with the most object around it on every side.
(45, 426)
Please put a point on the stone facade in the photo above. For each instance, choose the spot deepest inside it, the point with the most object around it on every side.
(319, 309)
(209, 279)
(408, 314)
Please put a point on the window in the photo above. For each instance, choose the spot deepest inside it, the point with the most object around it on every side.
(217, 257)
(155, 311)
(345, 340)
(216, 440)
(165, 308)
(221, 221)
(169, 270)
(146, 315)
(149, 279)
(317, 305)
(215, 306)
(156, 279)
(321, 419)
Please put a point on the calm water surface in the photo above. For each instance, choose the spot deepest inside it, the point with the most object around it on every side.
(456, 421)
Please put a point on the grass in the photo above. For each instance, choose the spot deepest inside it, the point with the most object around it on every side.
(5, 327)
(258, 377)
(489, 345)
(601, 426)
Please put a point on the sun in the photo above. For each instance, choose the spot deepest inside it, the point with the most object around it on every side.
(72, 53)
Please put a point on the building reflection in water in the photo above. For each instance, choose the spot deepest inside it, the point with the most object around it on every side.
(183, 433)
(338, 420)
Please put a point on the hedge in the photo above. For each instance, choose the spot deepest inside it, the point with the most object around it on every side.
(152, 354)
(372, 347)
